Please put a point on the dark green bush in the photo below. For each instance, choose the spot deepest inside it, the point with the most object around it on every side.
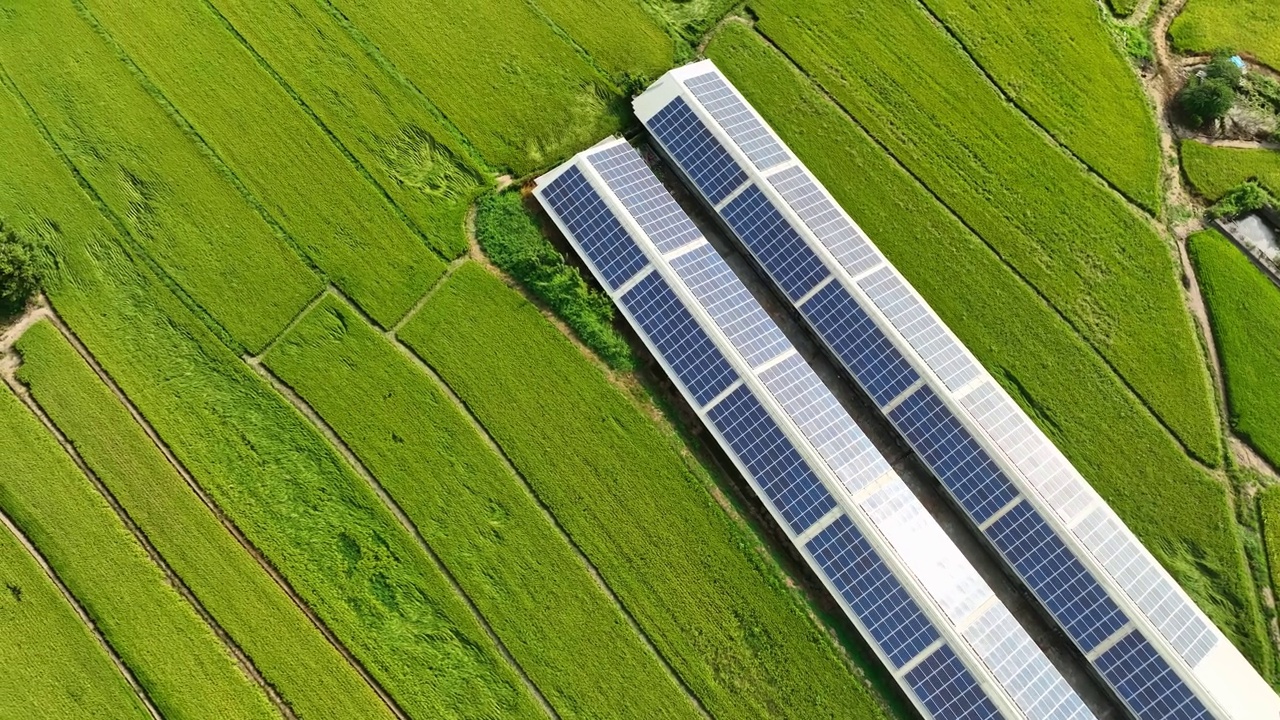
(19, 270)
(1244, 198)
(1206, 99)
(512, 240)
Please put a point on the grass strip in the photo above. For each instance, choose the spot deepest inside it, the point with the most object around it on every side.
(290, 653)
(1180, 513)
(178, 660)
(1244, 310)
(151, 175)
(51, 665)
(339, 218)
(637, 506)
(1252, 26)
(1101, 264)
(523, 575)
(1214, 171)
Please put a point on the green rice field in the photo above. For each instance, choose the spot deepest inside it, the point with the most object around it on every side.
(1249, 26)
(1213, 171)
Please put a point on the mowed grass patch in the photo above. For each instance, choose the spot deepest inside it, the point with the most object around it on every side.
(268, 469)
(1251, 26)
(1100, 264)
(338, 218)
(51, 665)
(513, 563)
(1213, 171)
(631, 45)
(1180, 513)
(151, 175)
(1269, 509)
(403, 142)
(1244, 310)
(517, 90)
(279, 639)
(638, 507)
(180, 663)
(1059, 62)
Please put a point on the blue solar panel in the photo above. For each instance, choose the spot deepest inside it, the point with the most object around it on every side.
(877, 598)
(1146, 682)
(733, 115)
(863, 350)
(771, 239)
(948, 690)
(1063, 585)
(960, 463)
(626, 174)
(696, 151)
(597, 231)
(686, 347)
(771, 458)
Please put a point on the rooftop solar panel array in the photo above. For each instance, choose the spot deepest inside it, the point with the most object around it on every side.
(877, 549)
(1139, 630)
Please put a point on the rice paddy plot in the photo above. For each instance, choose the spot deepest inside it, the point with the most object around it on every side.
(310, 675)
(691, 19)
(629, 496)
(522, 574)
(517, 90)
(631, 45)
(180, 663)
(153, 178)
(1099, 263)
(1180, 514)
(51, 665)
(1269, 509)
(337, 216)
(1213, 171)
(1248, 26)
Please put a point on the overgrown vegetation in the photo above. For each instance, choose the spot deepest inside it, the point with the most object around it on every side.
(1244, 307)
(278, 638)
(1244, 198)
(1213, 171)
(621, 487)
(512, 240)
(1210, 93)
(20, 270)
(1253, 26)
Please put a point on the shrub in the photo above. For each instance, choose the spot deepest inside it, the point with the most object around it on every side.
(19, 270)
(1244, 198)
(1221, 68)
(1206, 99)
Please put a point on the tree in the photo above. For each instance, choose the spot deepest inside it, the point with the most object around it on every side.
(19, 270)
(1222, 68)
(1206, 99)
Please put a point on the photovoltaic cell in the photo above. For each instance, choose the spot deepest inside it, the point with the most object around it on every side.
(627, 175)
(853, 251)
(777, 466)
(604, 240)
(733, 115)
(696, 151)
(1146, 682)
(774, 243)
(960, 463)
(862, 348)
(730, 305)
(1056, 577)
(948, 690)
(1032, 681)
(881, 603)
(691, 354)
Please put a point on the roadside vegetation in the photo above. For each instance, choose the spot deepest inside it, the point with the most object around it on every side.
(1214, 171)
(1253, 26)
(20, 270)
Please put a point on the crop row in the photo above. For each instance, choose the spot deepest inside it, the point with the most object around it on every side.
(1179, 512)
(1213, 171)
(1096, 260)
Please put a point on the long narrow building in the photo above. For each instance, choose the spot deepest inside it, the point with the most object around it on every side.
(1146, 640)
(953, 647)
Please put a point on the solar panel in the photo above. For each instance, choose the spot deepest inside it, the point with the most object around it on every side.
(774, 243)
(1020, 666)
(733, 115)
(849, 247)
(1146, 682)
(948, 689)
(696, 151)
(599, 233)
(624, 171)
(919, 326)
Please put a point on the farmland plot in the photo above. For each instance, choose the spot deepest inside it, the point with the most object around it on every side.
(1249, 26)
(152, 177)
(178, 660)
(1179, 513)
(338, 217)
(692, 18)
(1099, 263)
(1215, 170)
(630, 45)
(290, 653)
(1269, 509)
(693, 578)
(513, 563)
(518, 91)
(51, 666)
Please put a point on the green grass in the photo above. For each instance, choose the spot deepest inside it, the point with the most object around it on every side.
(1250, 26)
(180, 663)
(272, 473)
(51, 666)
(1123, 8)
(637, 506)
(1213, 171)
(403, 142)
(630, 45)
(151, 175)
(338, 218)
(506, 554)
(517, 90)
(1180, 513)
(1100, 263)
(291, 654)
(1269, 509)
(1058, 61)
(510, 238)
(1244, 309)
